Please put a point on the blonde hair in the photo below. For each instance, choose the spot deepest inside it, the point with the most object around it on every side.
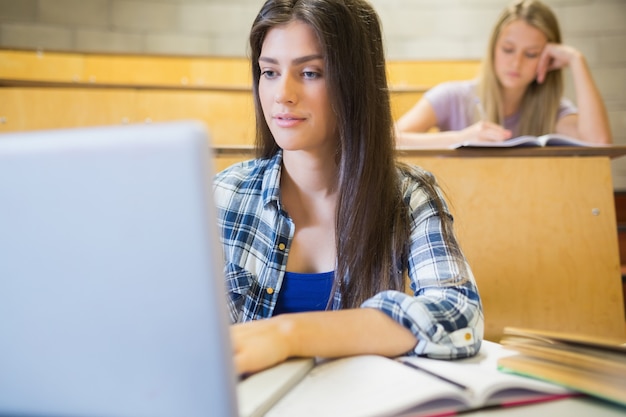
(539, 107)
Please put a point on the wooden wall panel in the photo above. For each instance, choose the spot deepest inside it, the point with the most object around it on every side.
(540, 234)
(228, 115)
(124, 69)
(52, 108)
(32, 65)
(428, 73)
(170, 71)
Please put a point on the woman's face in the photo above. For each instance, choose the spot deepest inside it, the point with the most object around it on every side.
(293, 91)
(517, 53)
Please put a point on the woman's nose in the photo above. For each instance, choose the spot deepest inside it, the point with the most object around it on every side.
(286, 90)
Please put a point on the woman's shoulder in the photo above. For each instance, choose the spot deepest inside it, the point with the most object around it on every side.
(566, 107)
(414, 179)
(243, 186)
(419, 188)
(239, 169)
(452, 102)
(454, 87)
(245, 169)
(243, 189)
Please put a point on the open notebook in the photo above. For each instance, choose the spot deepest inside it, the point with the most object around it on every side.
(375, 386)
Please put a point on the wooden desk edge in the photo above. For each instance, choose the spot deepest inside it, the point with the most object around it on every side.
(614, 151)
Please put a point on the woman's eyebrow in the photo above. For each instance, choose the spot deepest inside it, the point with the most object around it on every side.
(509, 42)
(299, 60)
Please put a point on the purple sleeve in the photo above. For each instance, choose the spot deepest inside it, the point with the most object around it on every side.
(454, 104)
(566, 107)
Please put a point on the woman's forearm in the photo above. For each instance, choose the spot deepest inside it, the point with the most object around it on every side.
(593, 122)
(263, 343)
(346, 332)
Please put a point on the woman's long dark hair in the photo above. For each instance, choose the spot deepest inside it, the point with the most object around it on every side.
(372, 221)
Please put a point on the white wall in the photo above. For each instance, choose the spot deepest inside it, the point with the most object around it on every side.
(414, 30)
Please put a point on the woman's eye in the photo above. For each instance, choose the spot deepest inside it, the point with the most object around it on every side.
(507, 50)
(532, 55)
(268, 74)
(311, 75)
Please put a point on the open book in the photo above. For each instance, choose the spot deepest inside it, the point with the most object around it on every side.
(593, 365)
(550, 139)
(371, 386)
(258, 392)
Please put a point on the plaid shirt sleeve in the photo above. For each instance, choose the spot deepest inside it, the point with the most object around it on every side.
(444, 312)
(255, 235)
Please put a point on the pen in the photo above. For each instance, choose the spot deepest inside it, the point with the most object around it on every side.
(441, 377)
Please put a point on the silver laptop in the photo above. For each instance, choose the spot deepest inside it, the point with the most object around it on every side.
(111, 297)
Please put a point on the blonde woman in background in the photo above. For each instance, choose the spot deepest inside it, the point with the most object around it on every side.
(519, 90)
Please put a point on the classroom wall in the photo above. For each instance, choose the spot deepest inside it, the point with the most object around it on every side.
(414, 30)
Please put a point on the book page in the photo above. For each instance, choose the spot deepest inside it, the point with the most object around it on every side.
(555, 139)
(551, 139)
(260, 391)
(590, 364)
(367, 386)
(490, 386)
(598, 360)
(510, 143)
(549, 337)
(373, 386)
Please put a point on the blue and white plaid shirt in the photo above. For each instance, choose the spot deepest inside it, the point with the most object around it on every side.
(256, 234)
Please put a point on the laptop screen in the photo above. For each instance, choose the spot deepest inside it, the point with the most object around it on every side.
(112, 301)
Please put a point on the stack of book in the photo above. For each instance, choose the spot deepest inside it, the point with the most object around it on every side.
(591, 365)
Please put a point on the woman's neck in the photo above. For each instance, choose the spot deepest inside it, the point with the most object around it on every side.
(309, 193)
(305, 174)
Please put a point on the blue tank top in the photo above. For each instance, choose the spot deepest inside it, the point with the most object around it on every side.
(304, 292)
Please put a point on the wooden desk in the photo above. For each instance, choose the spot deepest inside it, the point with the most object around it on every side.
(538, 228)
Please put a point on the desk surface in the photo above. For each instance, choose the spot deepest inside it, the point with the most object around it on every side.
(614, 151)
(570, 407)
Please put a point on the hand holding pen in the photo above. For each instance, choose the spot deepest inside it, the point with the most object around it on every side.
(484, 130)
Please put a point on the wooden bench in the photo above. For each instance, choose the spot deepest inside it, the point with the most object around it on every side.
(45, 90)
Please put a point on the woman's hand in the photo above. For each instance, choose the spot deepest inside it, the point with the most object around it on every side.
(484, 131)
(259, 344)
(591, 122)
(555, 56)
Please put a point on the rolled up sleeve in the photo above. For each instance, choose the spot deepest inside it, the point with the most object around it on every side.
(444, 310)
